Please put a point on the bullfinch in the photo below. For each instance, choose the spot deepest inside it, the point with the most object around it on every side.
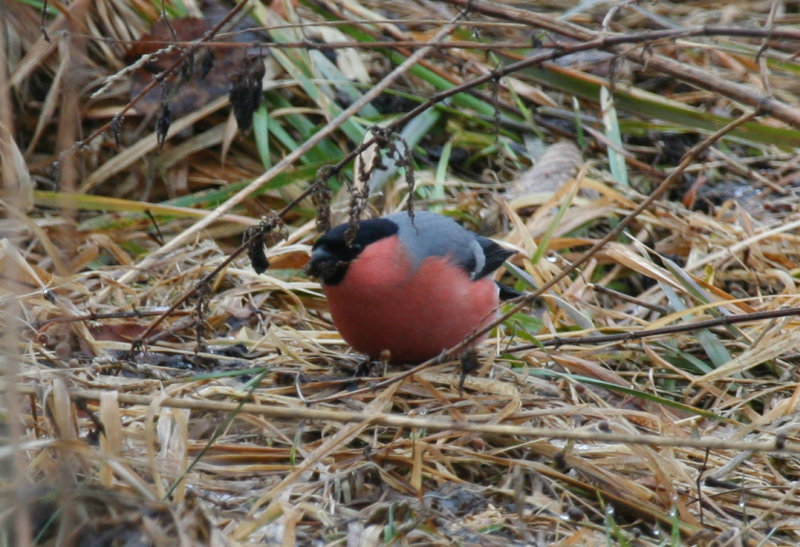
(412, 286)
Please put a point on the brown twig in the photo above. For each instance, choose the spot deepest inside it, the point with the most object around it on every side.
(649, 37)
(628, 298)
(779, 444)
(647, 333)
(97, 317)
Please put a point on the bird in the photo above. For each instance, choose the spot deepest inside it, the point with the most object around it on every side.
(414, 285)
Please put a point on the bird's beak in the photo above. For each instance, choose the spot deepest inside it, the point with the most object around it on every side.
(326, 266)
(320, 262)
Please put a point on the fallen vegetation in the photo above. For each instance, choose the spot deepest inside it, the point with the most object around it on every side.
(166, 384)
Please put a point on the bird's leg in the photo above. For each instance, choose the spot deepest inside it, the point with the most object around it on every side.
(364, 368)
(469, 363)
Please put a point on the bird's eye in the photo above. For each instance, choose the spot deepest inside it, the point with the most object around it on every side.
(357, 247)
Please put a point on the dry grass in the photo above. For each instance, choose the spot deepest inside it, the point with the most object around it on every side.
(238, 421)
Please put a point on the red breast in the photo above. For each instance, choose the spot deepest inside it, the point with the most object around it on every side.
(384, 303)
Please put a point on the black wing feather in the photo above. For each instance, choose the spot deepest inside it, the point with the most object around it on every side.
(495, 256)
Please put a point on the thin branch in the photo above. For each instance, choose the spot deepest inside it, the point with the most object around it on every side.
(778, 443)
(674, 329)
(650, 37)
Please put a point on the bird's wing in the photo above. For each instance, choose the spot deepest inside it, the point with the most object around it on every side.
(430, 234)
(495, 255)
